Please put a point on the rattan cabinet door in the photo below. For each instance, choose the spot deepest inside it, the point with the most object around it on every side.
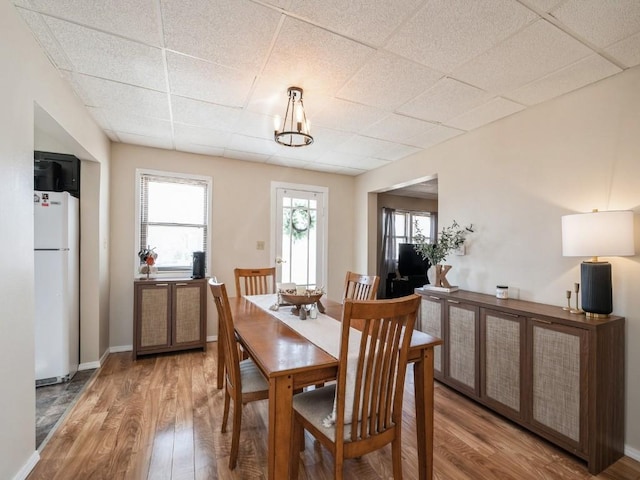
(462, 334)
(558, 382)
(431, 323)
(188, 313)
(153, 316)
(503, 347)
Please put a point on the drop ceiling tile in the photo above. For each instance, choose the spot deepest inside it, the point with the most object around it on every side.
(155, 142)
(527, 56)
(200, 136)
(487, 113)
(365, 163)
(627, 51)
(445, 100)
(348, 116)
(45, 38)
(246, 156)
(204, 114)
(309, 153)
(545, 5)
(447, 33)
(116, 96)
(396, 151)
(199, 149)
(113, 136)
(234, 33)
(139, 20)
(288, 162)
(342, 159)
(269, 96)
(106, 56)
(438, 134)
(352, 172)
(328, 138)
(397, 128)
(581, 73)
(129, 122)
(256, 125)
(387, 81)
(243, 143)
(601, 22)
(99, 116)
(361, 145)
(311, 57)
(364, 20)
(22, 3)
(193, 78)
(325, 167)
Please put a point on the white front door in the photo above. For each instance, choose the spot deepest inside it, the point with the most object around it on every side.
(300, 229)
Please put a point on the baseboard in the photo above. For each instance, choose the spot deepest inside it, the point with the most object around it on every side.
(121, 348)
(27, 467)
(632, 453)
(94, 365)
(212, 338)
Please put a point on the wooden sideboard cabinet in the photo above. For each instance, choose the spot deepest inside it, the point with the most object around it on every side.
(560, 375)
(169, 315)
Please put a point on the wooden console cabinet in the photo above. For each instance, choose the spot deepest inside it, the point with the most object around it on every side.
(169, 315)
(559, 375)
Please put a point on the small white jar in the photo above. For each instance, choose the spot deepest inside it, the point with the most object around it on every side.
(502, 291)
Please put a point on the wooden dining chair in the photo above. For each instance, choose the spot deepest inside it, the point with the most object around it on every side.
(360, 287)
(244, 382)
(377, 389)
(256, 281)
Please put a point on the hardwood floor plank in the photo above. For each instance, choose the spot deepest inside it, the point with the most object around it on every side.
(205, 461)
(159, 418)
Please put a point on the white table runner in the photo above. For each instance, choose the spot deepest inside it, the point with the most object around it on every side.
(324, 332)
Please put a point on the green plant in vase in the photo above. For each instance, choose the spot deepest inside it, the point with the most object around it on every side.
(449, 239)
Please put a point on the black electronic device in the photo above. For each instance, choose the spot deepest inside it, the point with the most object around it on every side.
(198, 265)
(56, 172)
(411, 262)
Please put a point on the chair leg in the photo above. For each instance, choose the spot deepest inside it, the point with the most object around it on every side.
(235, 434)
(225, 414)
(396, 458)
(337, 470)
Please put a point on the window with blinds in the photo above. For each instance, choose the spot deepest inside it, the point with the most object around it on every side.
(173, 218)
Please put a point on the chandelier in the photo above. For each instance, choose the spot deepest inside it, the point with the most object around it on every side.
(294, 129)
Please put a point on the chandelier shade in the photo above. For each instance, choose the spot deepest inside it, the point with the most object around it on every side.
(294, 130)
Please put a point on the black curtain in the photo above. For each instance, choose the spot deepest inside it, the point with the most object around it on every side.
(388, 254)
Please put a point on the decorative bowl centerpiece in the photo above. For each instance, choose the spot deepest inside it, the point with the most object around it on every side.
(297, 299)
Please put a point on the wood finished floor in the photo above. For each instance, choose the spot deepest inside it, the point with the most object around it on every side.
(159, 418)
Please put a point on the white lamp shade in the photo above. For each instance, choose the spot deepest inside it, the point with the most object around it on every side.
(598, 234)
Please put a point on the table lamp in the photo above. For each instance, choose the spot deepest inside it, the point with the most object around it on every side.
(597, 234)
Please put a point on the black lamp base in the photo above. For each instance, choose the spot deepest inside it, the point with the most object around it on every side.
(597, 299)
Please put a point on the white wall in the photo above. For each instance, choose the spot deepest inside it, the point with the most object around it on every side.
(241, 217)
(28, 80)
(515, 178)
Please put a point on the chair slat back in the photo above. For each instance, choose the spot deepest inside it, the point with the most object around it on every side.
(226, 334)
(387, 326)
(361, 287)
(256, 281)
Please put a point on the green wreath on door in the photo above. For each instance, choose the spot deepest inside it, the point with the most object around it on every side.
(297, 222)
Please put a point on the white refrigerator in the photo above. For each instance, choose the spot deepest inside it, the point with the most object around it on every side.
(57, 286)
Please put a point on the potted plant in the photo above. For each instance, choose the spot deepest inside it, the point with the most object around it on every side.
(450, 239)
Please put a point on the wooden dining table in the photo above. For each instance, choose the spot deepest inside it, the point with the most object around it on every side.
(290, 362)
